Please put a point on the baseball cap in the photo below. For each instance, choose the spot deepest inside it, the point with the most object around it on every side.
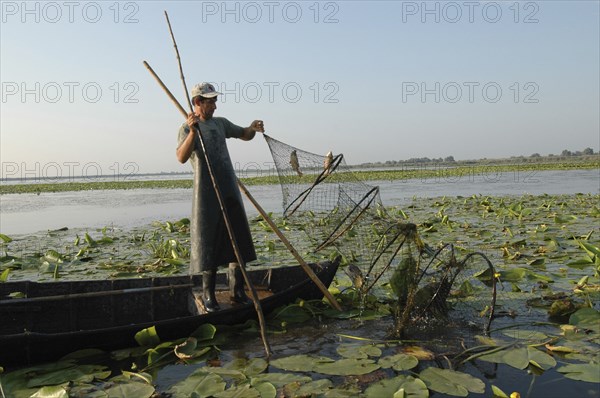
(206, 90)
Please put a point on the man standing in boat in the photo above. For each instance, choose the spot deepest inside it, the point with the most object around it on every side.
(210, 243)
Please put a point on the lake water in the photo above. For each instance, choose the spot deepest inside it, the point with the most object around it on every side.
(30, 213)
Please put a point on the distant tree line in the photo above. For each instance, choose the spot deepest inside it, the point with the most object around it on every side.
(534, 157)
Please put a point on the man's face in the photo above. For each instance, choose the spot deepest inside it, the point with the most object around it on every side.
(207, 107)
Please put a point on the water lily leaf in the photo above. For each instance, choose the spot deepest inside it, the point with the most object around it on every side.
(347, 367)
(398, 362)
(299, 363)
(540, 359)
(241, 391)
(586, 318)
(279, 379)
(84, 373)
(513, 275)
(205, 332)
(138, 390)
(516, 357)
(358, 351)
(52, 392)
(340, 393)
(147, 337)
(5, 238)
(187, 349)
(250, 367)
(521, 357)
(266, 390)
(400, 386)
(200, 383)
(292, 313)
(523, 334)
(4, 275)
(498, 393)
(451, 382)
(538, 263)
(310, 389)
(589, 372)
(563, 219)
(590, 249)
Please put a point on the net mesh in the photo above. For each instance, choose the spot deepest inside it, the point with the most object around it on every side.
(342, 214)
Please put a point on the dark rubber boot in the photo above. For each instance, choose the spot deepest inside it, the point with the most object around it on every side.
(209, 281)
(236, 286)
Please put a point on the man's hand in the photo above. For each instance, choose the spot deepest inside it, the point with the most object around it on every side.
(192, 120)
(250, 131)
(258, 126)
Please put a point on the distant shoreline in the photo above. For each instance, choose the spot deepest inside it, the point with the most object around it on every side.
(362, 173)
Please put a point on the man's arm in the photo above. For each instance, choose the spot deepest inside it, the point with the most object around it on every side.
(185, 149)
(250, 132)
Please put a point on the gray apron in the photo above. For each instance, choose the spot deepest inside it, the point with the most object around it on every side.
(210, 243)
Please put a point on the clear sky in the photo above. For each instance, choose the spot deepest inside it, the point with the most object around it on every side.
(373, 80)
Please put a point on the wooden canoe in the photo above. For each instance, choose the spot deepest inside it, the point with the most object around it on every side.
(56, 318)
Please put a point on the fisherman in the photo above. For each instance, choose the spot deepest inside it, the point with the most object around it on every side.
(211, 246)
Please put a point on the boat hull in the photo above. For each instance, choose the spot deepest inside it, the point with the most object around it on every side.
(57, 318)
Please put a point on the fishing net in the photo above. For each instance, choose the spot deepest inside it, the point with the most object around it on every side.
(343, 215)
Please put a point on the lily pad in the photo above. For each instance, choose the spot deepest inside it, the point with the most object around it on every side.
(398, 362)
(586, 318)
(200, 383)
(242, 391)
(347, 367)
(138, 390)
(358, 351)
(451, 382)
(147, 337)
(279, 379)
(52, 392)
(589, 372)
(299, 363)
(310, 389)
(250, 367)
(400, 386)
(521, 357)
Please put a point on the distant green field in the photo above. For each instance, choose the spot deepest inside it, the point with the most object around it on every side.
(402, 173)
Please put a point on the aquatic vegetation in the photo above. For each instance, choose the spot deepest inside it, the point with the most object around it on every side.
(544, 250)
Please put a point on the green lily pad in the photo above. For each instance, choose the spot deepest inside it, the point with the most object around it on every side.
(279, 379)
(589, 372)
(299, 363)
(347, 367)
(266, 390)
(358, 351)
(521, 357)
(498, 393)
(138, 390)
(147, 337)
(250, 367)
(398, 362)
(400, 386)
(586, 318)
(189, 349)
(241, 391)
(52, 392)
(310, 389)
(451, 382)
(205, 332)
(201, 383)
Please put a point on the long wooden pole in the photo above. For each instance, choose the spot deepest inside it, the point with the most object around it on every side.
(253, 294)
(265, 216)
